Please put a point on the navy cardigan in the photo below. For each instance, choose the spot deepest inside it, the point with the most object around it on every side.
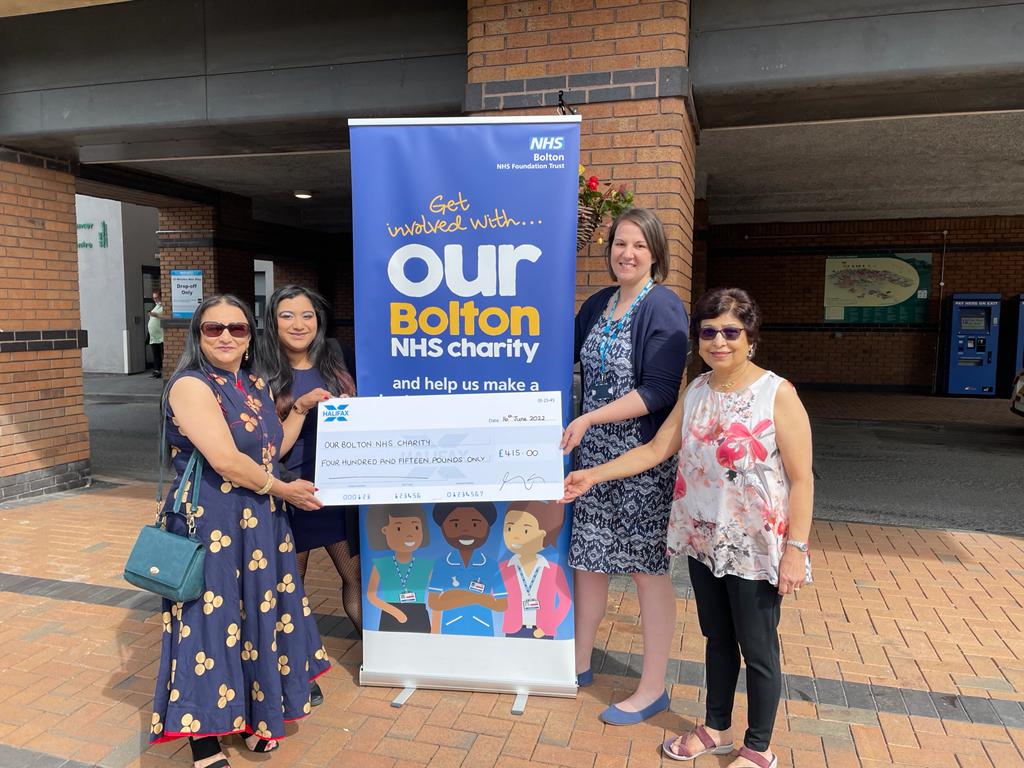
(660, 341)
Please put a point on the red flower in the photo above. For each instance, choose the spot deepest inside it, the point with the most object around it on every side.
(679, 491)
(593, 182)
(738, 440)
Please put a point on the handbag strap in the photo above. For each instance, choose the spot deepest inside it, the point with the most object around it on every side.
(193, 469)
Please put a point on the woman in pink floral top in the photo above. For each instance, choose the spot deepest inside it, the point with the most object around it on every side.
(742, 516)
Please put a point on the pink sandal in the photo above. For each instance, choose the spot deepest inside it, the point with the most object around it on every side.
(710, 747)
(759, 760)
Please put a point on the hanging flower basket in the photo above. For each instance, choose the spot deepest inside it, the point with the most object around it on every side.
(587, 221)
(595, 205)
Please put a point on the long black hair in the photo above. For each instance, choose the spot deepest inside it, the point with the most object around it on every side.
(326, 357)
(192, 357)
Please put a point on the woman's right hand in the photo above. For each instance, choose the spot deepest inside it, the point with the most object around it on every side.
(576, 484)
(574, 433)
(309, 400)
(299, 493)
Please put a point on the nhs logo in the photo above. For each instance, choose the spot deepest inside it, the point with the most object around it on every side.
(547, 142)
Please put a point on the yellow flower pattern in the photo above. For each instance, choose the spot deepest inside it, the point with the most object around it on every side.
(269, 602)
(211, 602)
(287, 584)
(234, 635)
(305, 606)
(189, 723)
(286, 545)
(258, 561)
(248, 422)
(224, 695)
(155, 725)
(256, 693)
(204, 663)
(227, 486)
(249, 520)
(282, 665)
(248, 652)
(239, 723)
(219, 541)
(284, 624)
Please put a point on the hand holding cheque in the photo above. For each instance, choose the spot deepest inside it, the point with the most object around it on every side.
(426, 449)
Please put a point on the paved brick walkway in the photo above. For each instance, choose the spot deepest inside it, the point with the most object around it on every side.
(909, 650)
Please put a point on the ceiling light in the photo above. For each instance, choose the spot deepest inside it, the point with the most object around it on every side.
(303, 194)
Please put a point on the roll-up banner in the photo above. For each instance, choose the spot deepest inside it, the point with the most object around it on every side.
(464, 238)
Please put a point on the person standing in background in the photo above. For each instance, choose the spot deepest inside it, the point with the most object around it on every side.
(156, 335)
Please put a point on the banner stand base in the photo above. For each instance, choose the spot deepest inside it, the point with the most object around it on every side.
(403, 697)
(408, 683)
(519, 705)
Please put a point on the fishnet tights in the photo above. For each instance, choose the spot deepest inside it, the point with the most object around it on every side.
(347, 566)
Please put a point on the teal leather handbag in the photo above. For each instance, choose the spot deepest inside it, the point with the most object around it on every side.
(165, 563)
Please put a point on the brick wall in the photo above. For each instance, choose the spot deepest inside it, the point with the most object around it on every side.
(783, 266)
(623, 64)
(186, 236)
(44, 441)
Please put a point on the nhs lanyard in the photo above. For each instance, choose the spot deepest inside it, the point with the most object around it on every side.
(528, 587)
(612, 330)
(404, 578)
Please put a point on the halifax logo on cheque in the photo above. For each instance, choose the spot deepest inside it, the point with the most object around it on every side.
(334, 412)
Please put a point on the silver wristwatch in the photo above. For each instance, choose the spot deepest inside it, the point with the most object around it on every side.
(801, 545)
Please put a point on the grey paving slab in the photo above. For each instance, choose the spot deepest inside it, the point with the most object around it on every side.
(1010, 713)
(859, 695)
(888, 699)
(949, 707)
(691, 673)
(980, 710)
(919, 703)
(801, 688)
(830, 692)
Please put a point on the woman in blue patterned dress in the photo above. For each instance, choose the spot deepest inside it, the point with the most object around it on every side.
(240, 658)
(631, 344)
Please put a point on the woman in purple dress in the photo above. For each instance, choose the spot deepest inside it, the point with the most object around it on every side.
(303, 367)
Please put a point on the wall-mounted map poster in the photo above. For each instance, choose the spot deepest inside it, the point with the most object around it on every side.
(878, 289)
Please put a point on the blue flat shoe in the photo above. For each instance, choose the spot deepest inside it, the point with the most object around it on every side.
(615, 716)
(584, 678)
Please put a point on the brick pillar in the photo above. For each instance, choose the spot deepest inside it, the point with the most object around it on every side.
(623, 65)
(188, 240)
(44, 436)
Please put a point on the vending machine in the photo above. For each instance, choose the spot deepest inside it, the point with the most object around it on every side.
(973, 343)
(1011, 343)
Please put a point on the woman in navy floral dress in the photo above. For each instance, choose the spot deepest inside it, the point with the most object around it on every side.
(240, 658)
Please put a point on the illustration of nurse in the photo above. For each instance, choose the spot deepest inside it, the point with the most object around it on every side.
(465, 587)
(538, 592)
(398, 582)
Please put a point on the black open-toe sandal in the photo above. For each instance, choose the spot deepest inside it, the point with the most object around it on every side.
(222, 763)
(262, 745)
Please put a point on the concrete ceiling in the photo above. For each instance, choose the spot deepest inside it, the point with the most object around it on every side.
(271, 180)
(944, 165)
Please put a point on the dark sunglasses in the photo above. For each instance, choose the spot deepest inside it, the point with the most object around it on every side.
(213, 330)
(729, 333)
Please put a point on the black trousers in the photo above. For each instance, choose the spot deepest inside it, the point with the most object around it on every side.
(740, 615)
(158, 356)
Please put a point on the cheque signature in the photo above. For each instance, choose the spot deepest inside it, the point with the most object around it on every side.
(528, 482)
